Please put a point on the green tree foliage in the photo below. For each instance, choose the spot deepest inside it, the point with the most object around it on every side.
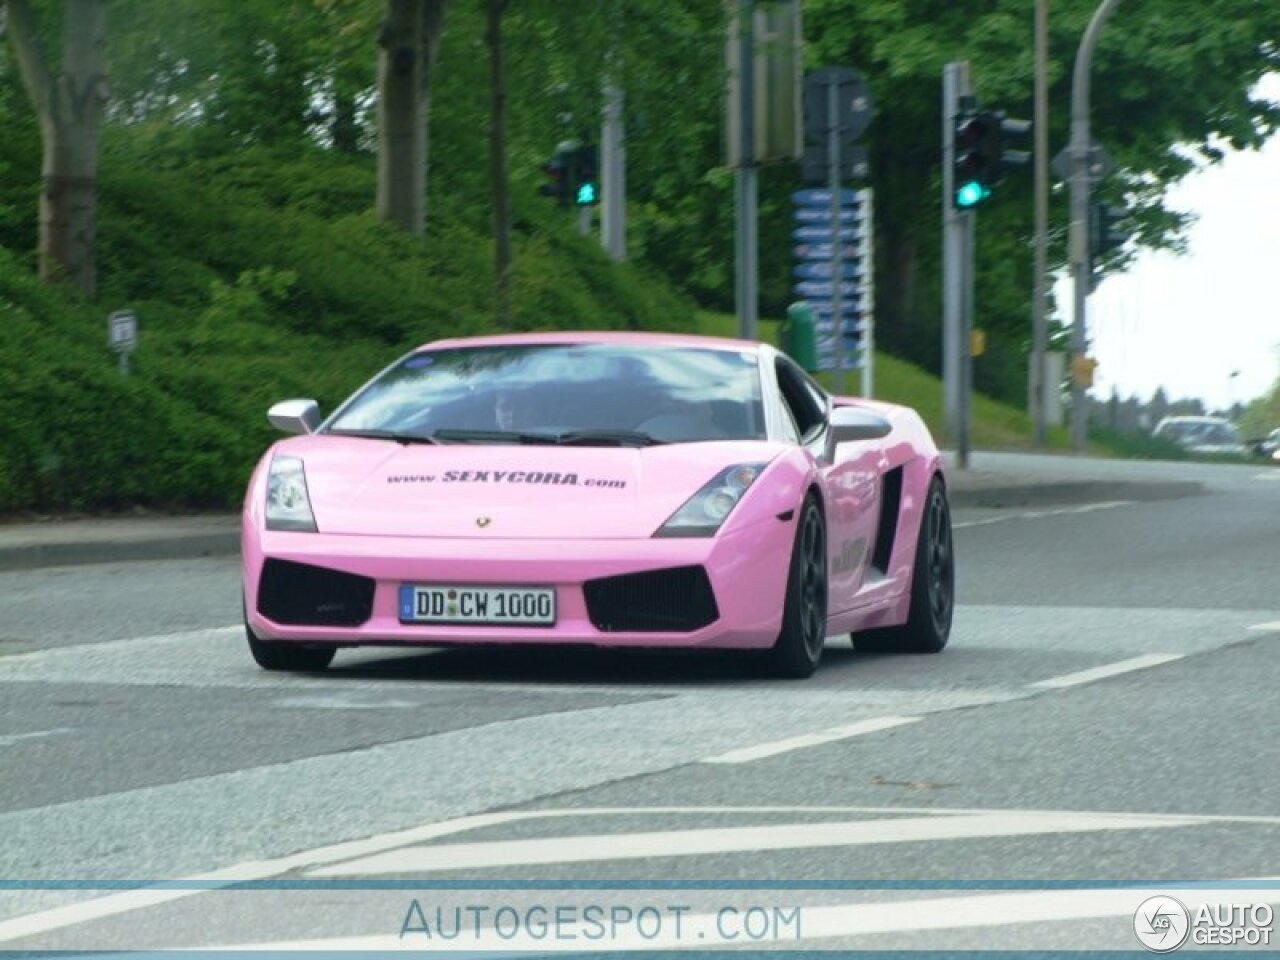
(1170, 88)
(1262, 415)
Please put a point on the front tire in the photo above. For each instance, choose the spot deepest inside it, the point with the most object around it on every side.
(798, 649)
(928, 625)
(292, 657)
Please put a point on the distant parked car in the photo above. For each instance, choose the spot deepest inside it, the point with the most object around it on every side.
(1270, 447)
(1210, 436)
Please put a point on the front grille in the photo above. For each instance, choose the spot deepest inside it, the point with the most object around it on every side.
(676, 600)
(299, 594)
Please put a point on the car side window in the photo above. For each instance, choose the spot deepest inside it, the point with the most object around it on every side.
(807, 408)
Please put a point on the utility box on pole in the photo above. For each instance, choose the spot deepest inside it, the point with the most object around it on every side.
(776, 83)
(763, 113)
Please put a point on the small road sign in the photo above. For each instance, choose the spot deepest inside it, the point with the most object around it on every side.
(1100, 163)
(122, 331)
(822, 251)
(853, 104)
(816, 197)
(812, 234)
(822, 270)
(816, 216)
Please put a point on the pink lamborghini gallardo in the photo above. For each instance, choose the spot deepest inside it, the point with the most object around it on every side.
(612, 489)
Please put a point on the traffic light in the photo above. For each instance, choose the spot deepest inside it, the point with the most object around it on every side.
(976, 157)
(574, 180)
(1105, 228)
(1009, 130)
(982, 153)
(586, 190)
(559, 170)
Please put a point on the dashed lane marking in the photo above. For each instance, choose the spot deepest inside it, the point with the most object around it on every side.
(1040, 514)
(772, 749)
(13, 738)
(1109, 670)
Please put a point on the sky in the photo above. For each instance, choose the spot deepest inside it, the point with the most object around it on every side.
(1189, 322)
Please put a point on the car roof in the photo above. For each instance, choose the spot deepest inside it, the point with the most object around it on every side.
(615, 337)
(1193, 419)
(619, 337)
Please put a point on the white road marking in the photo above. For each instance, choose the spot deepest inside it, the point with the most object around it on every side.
(688, 843)
(1110, 670)
(117, 903)
(1267, 627)
(120, 903)
(747, 754)
(1270, 475)
(1039, 514)
(13, 738)
(341, 702)
(122, 645)
(827, 921)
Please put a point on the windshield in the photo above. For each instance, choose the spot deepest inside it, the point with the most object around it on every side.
(563, 390)
(1201, 432)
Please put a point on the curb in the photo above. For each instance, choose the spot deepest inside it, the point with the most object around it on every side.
(997, 497)
(34, 555)
(175, 544)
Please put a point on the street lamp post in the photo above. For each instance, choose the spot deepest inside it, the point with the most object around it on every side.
(1081, 182)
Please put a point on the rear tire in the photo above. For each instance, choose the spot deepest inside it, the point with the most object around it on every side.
(798, 649)
(928, 625)
(293, 657)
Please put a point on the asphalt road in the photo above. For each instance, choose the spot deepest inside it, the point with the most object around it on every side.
(1105, 714)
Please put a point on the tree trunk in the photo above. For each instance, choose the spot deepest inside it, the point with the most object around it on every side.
(344, 128)
(498, 168)
(69, 105)
(408, 43)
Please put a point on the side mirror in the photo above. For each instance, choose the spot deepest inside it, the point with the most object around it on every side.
(295, 416)
(853, 423)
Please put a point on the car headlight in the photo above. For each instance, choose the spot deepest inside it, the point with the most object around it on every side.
(704, 512)
(288, 504)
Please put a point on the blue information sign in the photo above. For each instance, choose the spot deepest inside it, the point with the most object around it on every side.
(822, 251)
(821, 270)
(822, 198)
(823, 289)
(816, 215)
(811, 234)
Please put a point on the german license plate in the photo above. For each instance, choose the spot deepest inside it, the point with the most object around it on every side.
(457, 603)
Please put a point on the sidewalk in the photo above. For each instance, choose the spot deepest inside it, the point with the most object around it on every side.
(991, 483)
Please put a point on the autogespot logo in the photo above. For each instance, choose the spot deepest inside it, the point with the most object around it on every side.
(1161, 924)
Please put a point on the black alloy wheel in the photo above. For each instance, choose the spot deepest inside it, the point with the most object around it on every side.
(799, 646)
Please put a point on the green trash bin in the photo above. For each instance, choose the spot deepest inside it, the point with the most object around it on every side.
(799, 336)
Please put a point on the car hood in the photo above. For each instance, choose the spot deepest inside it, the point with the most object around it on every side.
(381, 488)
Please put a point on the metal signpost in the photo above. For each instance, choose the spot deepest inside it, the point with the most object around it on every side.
(833, 272)
(956, 248)
(834, 233)
(122, 336)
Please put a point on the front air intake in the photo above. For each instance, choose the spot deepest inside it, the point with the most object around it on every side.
(676, 600)
(298, 594)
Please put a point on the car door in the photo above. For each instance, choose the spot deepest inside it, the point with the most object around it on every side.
(850, 473)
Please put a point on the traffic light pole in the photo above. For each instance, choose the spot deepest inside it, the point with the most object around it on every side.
(1039, 331)
(1079, 242)
(837, 277)
(956, 254)
(745, 210)
(613, 180)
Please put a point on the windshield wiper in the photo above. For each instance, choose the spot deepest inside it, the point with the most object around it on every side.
(492, 436)
(606, 438)
(405, 438)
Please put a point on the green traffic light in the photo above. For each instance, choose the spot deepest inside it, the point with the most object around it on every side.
(586, 194)
(971, 194)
